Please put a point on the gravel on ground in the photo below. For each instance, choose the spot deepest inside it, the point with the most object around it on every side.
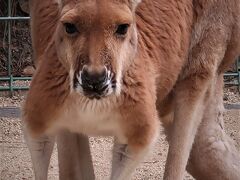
(15, 162)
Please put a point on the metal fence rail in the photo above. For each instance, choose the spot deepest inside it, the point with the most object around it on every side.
(10, 78)
(235, 75)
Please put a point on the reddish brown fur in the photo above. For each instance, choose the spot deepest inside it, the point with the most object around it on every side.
(182, 47)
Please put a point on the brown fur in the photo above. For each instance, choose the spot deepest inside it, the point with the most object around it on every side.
(214, 155)
(182, 47)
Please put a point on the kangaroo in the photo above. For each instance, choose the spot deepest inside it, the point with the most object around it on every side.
(118, 67)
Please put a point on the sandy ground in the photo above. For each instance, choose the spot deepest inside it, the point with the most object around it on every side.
(15, 160)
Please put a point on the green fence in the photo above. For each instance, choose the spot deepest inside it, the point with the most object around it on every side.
(234, 75)
(9, 78)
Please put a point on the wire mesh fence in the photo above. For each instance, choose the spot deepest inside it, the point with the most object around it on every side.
(13, 60)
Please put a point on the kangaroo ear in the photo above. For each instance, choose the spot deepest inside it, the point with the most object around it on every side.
(134, 3)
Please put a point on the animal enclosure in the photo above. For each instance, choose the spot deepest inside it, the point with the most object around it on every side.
(15, 57)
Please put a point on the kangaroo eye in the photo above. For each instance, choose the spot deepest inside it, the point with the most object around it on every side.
(70, 28)
(122, 29)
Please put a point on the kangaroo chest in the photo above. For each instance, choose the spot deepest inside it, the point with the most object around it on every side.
(92, 120)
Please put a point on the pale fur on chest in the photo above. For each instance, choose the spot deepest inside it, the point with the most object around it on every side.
(91, 117)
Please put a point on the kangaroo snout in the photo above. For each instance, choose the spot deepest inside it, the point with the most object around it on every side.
(93, 80)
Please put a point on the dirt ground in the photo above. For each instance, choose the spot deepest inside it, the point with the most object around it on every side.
(15, 163)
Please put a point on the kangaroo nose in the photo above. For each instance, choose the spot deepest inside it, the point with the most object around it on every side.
(94, 81)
